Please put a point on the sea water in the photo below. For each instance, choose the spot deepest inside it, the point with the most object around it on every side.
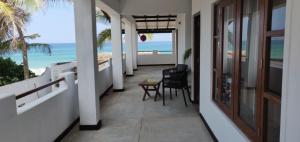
(65, 52)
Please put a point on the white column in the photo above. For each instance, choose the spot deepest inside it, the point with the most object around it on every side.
(290, 126)
(85, 26)
(174, 46)
(116, 39)
(134, 46)
(181, 37)
(128, 47)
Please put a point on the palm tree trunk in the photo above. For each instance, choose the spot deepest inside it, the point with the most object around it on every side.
(24, 54)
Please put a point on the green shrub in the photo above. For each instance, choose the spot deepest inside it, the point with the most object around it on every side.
(11, 72)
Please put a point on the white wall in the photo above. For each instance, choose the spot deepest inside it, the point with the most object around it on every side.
(156, 59)
(182, 40)
(8, 118)
(26, 85)
(290, 116)
(114, 4)
(224, 129)
(58, 69)
(42, 120)
(105, 77)
(145, 7)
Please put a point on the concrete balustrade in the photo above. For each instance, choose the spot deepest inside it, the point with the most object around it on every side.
(46, 117)
(154, 58)
(25, 85)
(43, 119)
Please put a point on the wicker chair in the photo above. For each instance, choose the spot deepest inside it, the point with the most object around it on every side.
(176, 78)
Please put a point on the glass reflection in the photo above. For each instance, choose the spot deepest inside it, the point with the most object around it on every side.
(249, 62)
(278, 14)
(273, 122)
(275, 66)
(228, 53)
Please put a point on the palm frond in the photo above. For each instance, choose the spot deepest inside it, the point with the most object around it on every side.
(187, 54)
(149, 36)
(103, 37)
(7, 21)
(31, 37)
(5, 47)
(30, 5)
(102, 16)
(12, 19)
(35, 5)
(40, 47)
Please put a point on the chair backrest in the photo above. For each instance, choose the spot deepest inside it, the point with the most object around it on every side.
(181, 67)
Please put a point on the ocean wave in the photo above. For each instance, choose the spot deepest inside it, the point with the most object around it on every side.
(38, 71)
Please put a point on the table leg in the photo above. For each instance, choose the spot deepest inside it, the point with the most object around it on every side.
(146, 92)
(163, 95)
(156, 92)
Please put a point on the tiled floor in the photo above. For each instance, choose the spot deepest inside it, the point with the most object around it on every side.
(126, 118)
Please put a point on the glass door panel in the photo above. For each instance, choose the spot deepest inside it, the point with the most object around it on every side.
(228, 54)
(276, 47)
(272, 124)
(277, 14)
(249, 62)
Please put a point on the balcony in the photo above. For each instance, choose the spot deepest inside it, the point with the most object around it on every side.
(126, 118)
(120, 115)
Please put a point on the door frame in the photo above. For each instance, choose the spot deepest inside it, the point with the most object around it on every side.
(196, 65)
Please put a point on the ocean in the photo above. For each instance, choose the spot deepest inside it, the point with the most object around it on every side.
(64, 52)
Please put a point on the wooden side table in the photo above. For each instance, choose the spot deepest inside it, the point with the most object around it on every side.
(150, 85)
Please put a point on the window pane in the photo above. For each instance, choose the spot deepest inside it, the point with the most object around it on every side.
(275, 65)
(249, 62)
(272, 122)
(215, 86)
(228, 53)
(278, 14)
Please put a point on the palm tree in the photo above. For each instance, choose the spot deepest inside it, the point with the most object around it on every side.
(12, 19)
(105, 35)
(30, 5)
(187, 54)
(5, 48)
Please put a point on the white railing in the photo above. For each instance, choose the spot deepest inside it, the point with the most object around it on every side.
(43, 119)
(25, 85)
(155, 58)
(105, 76)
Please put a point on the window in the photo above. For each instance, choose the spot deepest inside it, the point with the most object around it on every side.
(248, 44)
(160, 43)
(224, 50)
(248, 63)
(273, 67)
(227, 54)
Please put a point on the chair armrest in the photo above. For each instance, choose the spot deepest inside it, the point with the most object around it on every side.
(168, 71)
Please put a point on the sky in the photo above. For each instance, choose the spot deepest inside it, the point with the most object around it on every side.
(55, 24)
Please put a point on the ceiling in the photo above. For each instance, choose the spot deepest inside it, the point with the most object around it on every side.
(155, 23)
